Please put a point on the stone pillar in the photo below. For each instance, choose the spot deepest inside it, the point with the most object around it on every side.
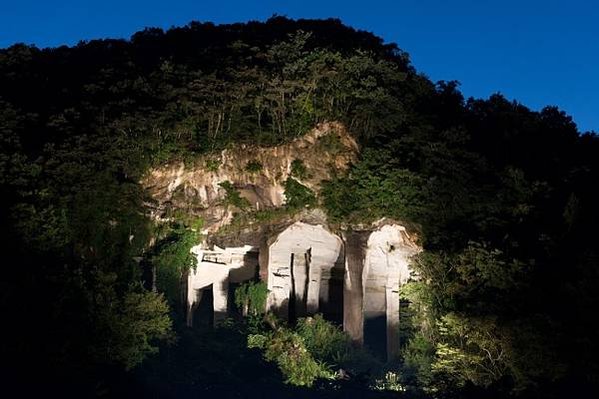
(353, 318)
(392, 293)
(279, 289)
(193, 300)
(299, 275)
(386, 268)
(220, 293)
(323, 291)
(315, 273)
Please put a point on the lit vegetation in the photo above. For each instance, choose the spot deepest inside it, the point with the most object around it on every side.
(233, 197)
(250, 297)
(298, 169)
(253, 167)
(297, 195)
(504, 199)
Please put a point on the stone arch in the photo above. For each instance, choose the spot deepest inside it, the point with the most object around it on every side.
(301, 262)
(218, 268)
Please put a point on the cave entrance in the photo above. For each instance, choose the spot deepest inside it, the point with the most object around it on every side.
(375, 335)
(203, 313)
(331, 294)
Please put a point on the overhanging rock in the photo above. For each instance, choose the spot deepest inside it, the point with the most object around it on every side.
(217, 268)
(353, 278)
(301, 263)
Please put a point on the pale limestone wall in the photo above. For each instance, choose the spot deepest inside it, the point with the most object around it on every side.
(386, 268)
(353, 316)
(218, 267)
(196, 190)
(299, 261)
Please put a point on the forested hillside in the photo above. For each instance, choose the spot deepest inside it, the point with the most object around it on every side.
(504, 200)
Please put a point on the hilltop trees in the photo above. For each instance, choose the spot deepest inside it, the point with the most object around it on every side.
(502, 197)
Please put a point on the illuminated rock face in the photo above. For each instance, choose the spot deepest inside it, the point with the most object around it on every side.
(308, 270)
(196, 189)
(386, 267)
(301, 263)
(376, 265)
(218, 268)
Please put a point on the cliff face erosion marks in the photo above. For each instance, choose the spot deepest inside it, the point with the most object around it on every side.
(258, 174)
(350, 275)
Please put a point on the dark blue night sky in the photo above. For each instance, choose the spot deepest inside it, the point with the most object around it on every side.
(537, 52)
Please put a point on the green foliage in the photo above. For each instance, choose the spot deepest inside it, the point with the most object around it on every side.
(253, 167)
(129, 327)
(471, 350)
(298, 169)
(323, 339)
(287, 349)
(448, 349)
(418, 357)
(254, 217)
(297, 195)
(312, 350)
(376, 187)
(233, 197)
(251, 297)
(212, 165)
(172, 257)
(330, 144)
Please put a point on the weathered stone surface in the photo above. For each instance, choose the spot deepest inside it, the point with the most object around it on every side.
(218, 268)
(386, 267)
(301, 262)
(301, 252)
(353, 316)
(196, 190)
(355, 280)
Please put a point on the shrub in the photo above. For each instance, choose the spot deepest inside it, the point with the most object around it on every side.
(250, 297)
(289, 351)
(312, 350)
(171, 256)
(323, 339)
(212, 165)
(127, 328)
(330, 144)
(298, 169)
(253, 167)
(233, 197)
(297, 195)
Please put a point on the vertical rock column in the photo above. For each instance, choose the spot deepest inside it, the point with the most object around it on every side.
(315, 279)
(386, 268)
(392, 304)
(300, 269)
(353, 317)
(220, 295)
(193, 300)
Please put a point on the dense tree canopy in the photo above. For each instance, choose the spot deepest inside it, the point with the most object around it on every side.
(503, 198)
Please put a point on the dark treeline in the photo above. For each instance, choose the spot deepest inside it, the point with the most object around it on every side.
(504, 199)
